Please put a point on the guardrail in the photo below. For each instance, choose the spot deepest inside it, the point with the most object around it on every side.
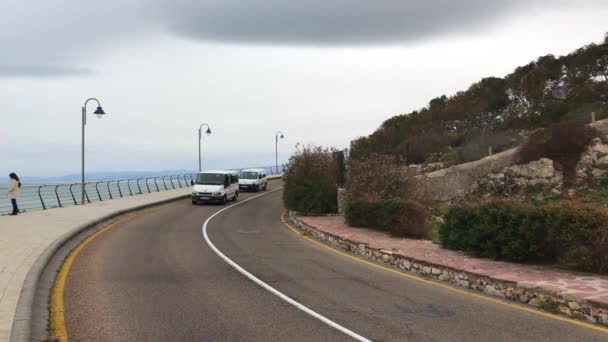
(47, 196)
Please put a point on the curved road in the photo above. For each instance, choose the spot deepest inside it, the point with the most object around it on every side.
(155, 279)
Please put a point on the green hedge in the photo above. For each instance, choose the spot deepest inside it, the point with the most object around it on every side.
(311, 196)
(397, 216)
(571, 234)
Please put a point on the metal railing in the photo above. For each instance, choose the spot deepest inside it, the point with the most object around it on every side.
(47, 196)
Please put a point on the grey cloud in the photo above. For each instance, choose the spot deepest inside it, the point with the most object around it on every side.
(47, 38)
(40, 71)
(335, 22)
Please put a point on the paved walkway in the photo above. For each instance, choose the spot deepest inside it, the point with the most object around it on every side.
(577, 286)
(24, 237)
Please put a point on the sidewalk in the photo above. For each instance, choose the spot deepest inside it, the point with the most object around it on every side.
(578, 295)
(25, 237)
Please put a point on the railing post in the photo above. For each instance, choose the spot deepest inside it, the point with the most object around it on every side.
(57, 195)
(165, 184)
(156, 184)
(40, 195)
(139, 187)
(119, 191)
(129, 186)
(97, 189)
(109, 190)
(179, 182)
(171, 180)
(72, 193)
(147, 186)
(86, 194)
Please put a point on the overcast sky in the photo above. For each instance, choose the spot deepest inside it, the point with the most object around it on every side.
(322, 71)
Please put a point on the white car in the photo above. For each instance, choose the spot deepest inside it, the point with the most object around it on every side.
(253, 180)
(215, 187)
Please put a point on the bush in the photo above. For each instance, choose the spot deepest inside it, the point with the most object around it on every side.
(311, 196)
(497, 230)
(398, 216)
(373, 178)
(563, 142)
(572, 234)
(310, 181)
(583, 228)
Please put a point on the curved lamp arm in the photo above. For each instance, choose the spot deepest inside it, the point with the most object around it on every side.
(200, 129)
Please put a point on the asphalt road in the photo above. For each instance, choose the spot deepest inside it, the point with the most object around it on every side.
(155, 279)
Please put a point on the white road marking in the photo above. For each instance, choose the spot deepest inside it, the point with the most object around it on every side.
(268, 287)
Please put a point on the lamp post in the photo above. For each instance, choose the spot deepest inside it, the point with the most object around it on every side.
(100, 113)
(200, 136)
(276, 149)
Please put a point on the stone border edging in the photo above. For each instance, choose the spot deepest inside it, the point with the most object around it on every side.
(22, 323)
(527, 295)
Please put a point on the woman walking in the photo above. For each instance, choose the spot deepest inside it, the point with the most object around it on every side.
(13, 191)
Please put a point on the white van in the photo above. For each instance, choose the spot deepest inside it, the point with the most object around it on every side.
(215, 187)
(253, 180)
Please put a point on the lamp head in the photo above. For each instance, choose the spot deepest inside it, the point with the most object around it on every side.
(282, 136)
(99, 112)
(208, 131)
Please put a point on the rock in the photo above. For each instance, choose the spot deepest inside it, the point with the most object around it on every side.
(491, 290)
(435, 271)
(599, 149)
(407, 264)
(602, 161)
(565, 310)
(587, 160)
(555, 191)
(426, 270)
(524, 298)
(574, 306)
(590, 318)
(542, 168)
(537, 181)
(462, 283)
(534, 302)
(433, 167)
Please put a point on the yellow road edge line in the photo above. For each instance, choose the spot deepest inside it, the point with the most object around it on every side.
(57, 326)
(445, 286)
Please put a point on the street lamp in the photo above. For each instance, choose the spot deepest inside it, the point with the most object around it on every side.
(276, 148)
(100, 113)
(200, 136)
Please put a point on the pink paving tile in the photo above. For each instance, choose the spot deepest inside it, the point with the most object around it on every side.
(551, 288)
(602, 300)
(583, 295)
(583, 288)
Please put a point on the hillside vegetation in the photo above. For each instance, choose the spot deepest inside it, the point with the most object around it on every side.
(497, 111)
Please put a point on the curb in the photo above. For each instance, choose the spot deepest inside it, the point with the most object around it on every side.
(23, 321)
(580, 310)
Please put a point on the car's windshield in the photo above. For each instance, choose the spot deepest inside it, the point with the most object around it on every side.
(210, 179)
(249, 175)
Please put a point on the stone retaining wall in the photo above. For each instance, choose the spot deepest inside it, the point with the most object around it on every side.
(529, 295)
(460, 180)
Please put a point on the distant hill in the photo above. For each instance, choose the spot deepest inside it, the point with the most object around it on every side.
(97, 176)
(495, 111)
